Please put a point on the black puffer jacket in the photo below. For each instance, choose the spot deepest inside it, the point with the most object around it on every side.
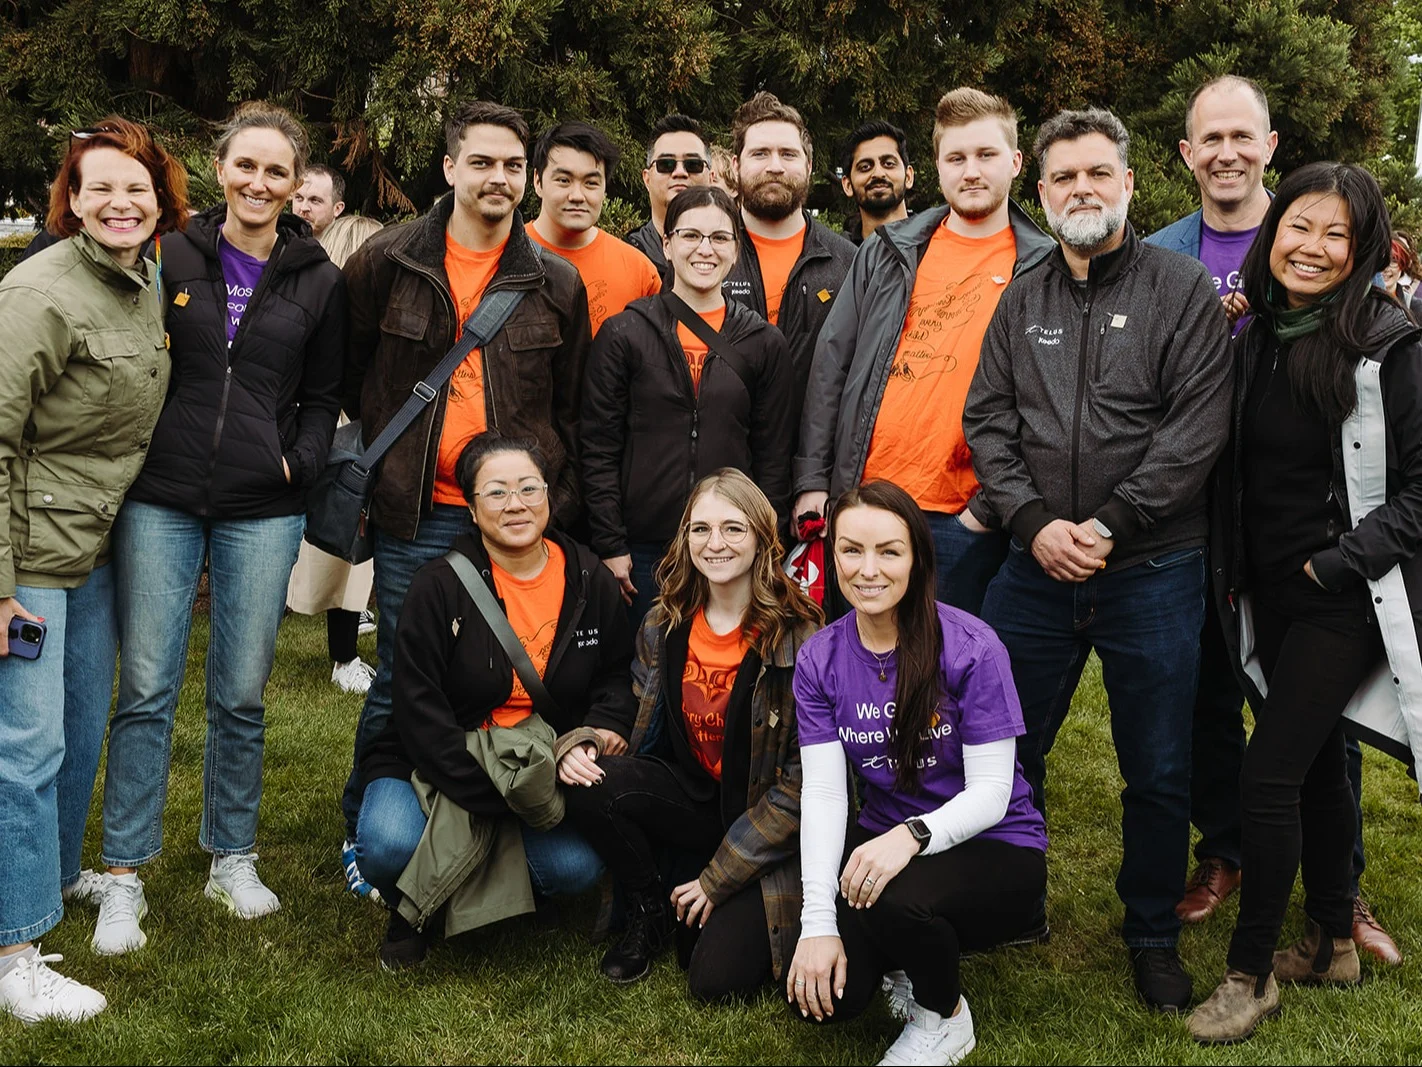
(648, 436)
(232, 415)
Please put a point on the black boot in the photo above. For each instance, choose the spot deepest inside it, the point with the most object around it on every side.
(650, 923)
(404, 946)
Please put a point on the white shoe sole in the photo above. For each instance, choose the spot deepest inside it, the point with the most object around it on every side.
(125, 947)
(215, 892)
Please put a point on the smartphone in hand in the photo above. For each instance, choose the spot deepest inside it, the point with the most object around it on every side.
(26, 638)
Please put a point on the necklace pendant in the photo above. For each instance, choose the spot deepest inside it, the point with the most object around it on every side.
(882, 676)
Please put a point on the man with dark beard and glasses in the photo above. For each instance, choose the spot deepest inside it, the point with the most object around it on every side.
(875, 173)
(791, 266)
(898, 352)
(1100, 404)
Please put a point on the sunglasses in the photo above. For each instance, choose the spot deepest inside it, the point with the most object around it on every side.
(668, 164)
(92, 131)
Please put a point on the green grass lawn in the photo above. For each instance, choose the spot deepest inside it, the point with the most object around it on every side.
(303, 986)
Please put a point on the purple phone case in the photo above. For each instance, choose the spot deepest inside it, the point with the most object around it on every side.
(23, 649)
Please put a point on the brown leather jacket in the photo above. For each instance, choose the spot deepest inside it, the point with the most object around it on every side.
(402, 322)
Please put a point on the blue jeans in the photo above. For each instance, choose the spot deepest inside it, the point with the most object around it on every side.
(965, 561)
(560, 862)
(1144, 623)
(645, 557)
(52, 716)
(396, 562)
(158, 558)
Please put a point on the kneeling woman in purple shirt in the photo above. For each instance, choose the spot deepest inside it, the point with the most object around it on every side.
(948, 852)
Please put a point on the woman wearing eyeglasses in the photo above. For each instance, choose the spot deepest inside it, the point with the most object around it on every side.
(662, 407)
(719, 783)
(451, 676)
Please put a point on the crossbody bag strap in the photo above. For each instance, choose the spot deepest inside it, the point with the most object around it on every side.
(709, 337)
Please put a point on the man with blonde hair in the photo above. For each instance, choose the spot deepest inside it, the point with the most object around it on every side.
(902, 342)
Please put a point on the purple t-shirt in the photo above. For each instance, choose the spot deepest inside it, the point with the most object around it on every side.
(240, 273)
(1223, 256)
(838, 697)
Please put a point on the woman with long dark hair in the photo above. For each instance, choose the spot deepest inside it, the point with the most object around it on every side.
(1319, 515)
(916, 699)
(715, 660)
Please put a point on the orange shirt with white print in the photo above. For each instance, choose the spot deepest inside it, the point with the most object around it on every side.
(470, 273)
(712, 662)
(777, 257)
(696, 351)
(613, 272)
(918, 436)
(533, 605)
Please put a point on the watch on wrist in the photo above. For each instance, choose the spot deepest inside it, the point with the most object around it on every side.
(921, 833)
(1101, 528)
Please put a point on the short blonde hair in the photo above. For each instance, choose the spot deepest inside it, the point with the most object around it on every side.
(961, 106)
(344, 235)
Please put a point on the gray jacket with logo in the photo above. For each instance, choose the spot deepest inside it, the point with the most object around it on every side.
(1109, 399)
(856, 348)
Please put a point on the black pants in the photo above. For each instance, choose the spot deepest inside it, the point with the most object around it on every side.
(640, 805)
(342, 629)
(1298, 808)
(974, 896)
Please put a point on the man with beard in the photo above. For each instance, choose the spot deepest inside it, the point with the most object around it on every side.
(790, 266)
(412, 287)
(875, 174)
(1101, 402)
(321, 197)
(902, 341)
(677, 157)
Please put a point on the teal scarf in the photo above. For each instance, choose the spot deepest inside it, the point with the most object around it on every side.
(1289, 324)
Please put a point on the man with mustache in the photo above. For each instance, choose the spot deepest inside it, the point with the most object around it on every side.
(791, 266)
(677, 157)
(895, 359)
(876, 175)
(1100, 405)
(412, 287)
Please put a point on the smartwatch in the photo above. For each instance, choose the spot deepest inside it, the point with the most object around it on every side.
(1103, 529)
(921, 833)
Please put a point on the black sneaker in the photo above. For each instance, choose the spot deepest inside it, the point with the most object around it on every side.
(650, 923)
(1161, 980)
(404, 946)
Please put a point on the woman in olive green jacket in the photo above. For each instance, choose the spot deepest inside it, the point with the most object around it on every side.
(83, 373)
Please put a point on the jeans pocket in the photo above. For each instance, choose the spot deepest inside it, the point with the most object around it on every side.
(1175, 558)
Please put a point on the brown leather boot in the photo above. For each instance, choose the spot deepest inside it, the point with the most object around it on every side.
(1318, 959)
(1238, 1004)
(1213, 881)
(1370, 937)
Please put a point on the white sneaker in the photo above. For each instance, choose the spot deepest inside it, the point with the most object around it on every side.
(353, 677)
(932, 1040)
(898, 991)
(88, 889)
(31, 991)
(233, 881)
(366, 624)
(121, 909)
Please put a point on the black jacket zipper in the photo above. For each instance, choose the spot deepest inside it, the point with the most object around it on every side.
(1082, 357)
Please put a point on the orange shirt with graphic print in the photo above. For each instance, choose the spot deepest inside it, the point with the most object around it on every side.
(613, 272)
(712, 661)
(533, 605)
(777, 259)
(470, 273)
(918, 436)
(696, 350)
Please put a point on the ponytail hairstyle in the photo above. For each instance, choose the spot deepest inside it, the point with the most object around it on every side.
(1321, 364)
(918, 689)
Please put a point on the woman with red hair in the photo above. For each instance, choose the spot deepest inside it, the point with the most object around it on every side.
(83, 374)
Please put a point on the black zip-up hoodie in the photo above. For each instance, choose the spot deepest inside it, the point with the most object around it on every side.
(232, 415)
(1109, 400)
(451, 673)
(648, 437)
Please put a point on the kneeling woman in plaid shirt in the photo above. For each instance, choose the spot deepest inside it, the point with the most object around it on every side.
(713, 797)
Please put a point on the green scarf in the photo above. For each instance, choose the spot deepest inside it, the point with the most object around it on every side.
(1289, 324)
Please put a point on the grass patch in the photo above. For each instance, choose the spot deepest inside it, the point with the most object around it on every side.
(303, 987)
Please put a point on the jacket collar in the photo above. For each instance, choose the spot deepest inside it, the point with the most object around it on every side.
(472, 545)
(102, 263)
(1107, 267)
(816, 243)
(654, 636)
(295, 246)
(740, 322)
(908, 237)
(423, 246)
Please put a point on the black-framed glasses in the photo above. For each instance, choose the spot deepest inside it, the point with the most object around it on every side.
(692, 238)
(668, 164)
(531, 494)
(733, 533)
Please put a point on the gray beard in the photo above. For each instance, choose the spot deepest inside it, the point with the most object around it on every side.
(1084, 234)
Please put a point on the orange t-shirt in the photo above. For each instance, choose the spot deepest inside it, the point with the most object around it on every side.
(777, 257)
(469, 275)
(533, 605)
(712, 661)
(696, 352)
(918, 436)
(613, 272)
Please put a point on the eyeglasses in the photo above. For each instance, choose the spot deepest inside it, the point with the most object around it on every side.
(733, 533)
(668, 164)
(720, 239)
(531, 495)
